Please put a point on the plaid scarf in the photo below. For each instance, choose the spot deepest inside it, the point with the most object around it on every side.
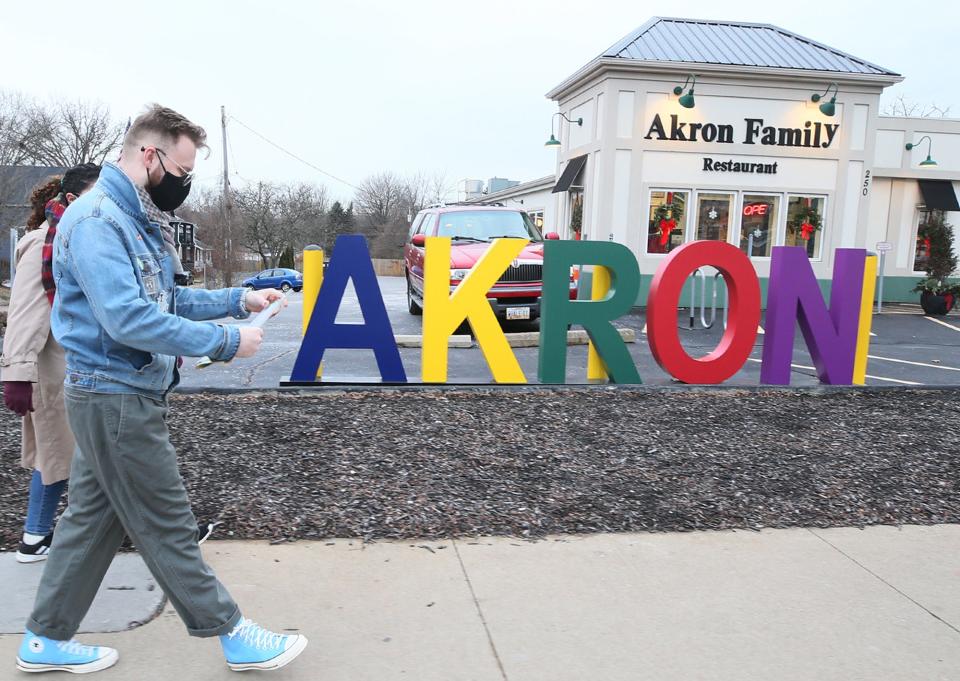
(54, 210)
(162, 219)
(156, 215)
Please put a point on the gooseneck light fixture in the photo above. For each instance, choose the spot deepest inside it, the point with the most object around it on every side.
(827, 108)
(553, 141)
(686, 101)
(929, 162)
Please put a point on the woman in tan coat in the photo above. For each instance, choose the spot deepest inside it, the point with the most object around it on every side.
(32, 365)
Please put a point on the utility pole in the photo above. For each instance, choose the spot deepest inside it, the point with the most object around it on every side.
(227, 207)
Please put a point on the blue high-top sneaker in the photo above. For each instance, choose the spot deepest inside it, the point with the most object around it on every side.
(250, 646)
(41, 654)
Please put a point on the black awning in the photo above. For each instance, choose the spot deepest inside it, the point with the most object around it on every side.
(569, 174)
(939, 195)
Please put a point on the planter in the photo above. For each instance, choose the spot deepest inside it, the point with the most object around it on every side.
(936, 305)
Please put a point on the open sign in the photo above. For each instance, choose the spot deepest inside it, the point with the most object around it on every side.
(756, 209)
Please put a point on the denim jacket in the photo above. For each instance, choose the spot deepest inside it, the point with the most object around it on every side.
(117, 313)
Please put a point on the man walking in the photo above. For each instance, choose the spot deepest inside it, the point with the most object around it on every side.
(123, 321)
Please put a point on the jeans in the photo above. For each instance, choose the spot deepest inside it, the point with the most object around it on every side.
(124, 480)
(42, 505)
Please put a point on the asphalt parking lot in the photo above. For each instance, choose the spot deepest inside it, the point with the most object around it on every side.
(906, 349)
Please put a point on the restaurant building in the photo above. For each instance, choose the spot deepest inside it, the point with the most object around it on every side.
(746, 133)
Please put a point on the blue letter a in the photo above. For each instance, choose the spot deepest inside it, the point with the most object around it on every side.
(350, 261)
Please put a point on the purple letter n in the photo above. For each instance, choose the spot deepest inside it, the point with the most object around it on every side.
(794, 296)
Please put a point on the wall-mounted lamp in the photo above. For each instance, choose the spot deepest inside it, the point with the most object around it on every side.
(929, 162)
(827, 108)
(686, 101)
(553, 141)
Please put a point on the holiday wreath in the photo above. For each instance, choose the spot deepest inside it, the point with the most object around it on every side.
(665, 216)
(807, 221)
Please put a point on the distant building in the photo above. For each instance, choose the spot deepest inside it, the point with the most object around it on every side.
(16, 185)
(534, 198)
(497, 184)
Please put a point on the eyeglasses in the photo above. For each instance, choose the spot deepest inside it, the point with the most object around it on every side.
(186, 177)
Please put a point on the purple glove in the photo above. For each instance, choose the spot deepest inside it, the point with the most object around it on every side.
(18, 396)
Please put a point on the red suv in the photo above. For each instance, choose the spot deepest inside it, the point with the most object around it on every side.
(472, 227)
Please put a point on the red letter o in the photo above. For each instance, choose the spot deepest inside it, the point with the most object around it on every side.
(742, 320)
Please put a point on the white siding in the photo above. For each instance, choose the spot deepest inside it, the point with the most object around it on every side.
(625, 106)
(621, 197)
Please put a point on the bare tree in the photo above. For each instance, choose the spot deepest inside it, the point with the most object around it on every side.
(381, 197)
(902, 106)
(16, 128)
(302, 214)
(276, 217)
(256, 208)
(387, 202)
(67, 133)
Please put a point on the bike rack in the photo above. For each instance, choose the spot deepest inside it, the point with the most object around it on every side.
(717, 278)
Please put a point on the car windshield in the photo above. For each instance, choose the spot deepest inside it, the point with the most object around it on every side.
(484, 225)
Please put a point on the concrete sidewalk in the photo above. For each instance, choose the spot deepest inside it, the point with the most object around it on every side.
(840, 604)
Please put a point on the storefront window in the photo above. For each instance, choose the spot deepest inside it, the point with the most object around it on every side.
(668, 212)
(758, 224)
(713, 216)
(805, 223)
(537, 217)
(922, 248)
(576, 214)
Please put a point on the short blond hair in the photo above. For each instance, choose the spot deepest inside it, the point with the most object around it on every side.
(165, 123)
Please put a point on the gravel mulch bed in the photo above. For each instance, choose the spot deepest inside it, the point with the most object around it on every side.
(436, 464)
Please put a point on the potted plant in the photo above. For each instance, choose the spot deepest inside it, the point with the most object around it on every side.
(937, 294)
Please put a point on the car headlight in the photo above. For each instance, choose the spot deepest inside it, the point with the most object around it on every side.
(459, 275)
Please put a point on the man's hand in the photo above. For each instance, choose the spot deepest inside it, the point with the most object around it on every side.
(257, 301)
(18, 396)
(250, 339)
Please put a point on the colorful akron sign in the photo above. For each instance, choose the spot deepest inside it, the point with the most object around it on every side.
(837, 334)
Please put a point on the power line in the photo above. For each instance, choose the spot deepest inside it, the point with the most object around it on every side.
(293, 155)
(233, 155)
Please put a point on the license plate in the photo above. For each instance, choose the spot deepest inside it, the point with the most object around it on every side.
(518, 313)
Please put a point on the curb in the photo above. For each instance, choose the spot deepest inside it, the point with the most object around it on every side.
(293, 388)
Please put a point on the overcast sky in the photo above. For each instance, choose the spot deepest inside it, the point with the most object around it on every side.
(360, 87)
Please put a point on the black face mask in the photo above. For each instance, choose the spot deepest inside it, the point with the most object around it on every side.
(170, 193)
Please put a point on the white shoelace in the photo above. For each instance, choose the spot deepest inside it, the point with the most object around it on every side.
(252, 634)
(72, 647)
(209, 530)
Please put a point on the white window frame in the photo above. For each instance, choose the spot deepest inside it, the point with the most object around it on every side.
(823, 218)
(920, 209)
(778, 230)
(646, 217)
(735, 193)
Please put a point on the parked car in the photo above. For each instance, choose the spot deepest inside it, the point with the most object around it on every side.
(472, 228)
(281, 278)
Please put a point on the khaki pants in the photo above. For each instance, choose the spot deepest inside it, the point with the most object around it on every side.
(124, 480)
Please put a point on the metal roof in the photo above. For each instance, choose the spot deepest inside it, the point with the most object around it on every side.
(700, 41)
